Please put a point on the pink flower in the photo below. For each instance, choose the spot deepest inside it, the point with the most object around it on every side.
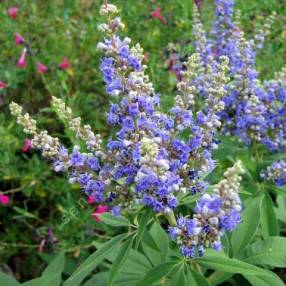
(19, 39)
(4, 200)
(156, 14)
(99, 210)
(27, 145)
(41, 68)
(12, 12)
(3, 84)
(22, 61)
(91, 200)
(65, 64)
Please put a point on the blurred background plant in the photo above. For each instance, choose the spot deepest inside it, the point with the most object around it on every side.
(49, 48)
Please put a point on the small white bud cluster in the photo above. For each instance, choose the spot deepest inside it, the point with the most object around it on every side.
(82, 132)
(149, 150)
(199, 32)
(25, 120)
(48, 144)
(227, 189)
(216, 81)
(137, 51)
(63, 111)
(264, 31)
(139, 83)
(106, 9)
(188, 91)
(113, 23)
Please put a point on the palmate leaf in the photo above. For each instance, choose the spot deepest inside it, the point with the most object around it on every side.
(246, 231)
(93, 260)
(271, 251)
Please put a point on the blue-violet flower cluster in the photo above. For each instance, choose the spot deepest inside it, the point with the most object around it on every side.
(214, 214)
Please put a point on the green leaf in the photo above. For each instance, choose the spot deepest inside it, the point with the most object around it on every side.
(156, 274)
(57, 265)
(153, 256)
(92, 261)
(179, 278)
(110, 219)
(136, 263)
(217, 277)
(246, 231)
(149, 241)
(230, 265)
(196, 279)
(127, 279)
(280, 211)
(142, 225)
(119, 260)
(8, 280)
(269, 222)
(99, 279)
(271, 251)
(52, 275)
(271, 280)
(46, 280)
(161, 239)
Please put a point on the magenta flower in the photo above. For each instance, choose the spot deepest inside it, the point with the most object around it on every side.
(99, 210)
(19, 39)
(41, 68)
(65, 64)
(156, 14)
(27, 145)
(22, 61)
(4, 200)
(12, 12)
(3, 85)
(91, 200)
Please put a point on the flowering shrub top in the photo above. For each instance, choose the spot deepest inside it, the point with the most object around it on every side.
(155, 158)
